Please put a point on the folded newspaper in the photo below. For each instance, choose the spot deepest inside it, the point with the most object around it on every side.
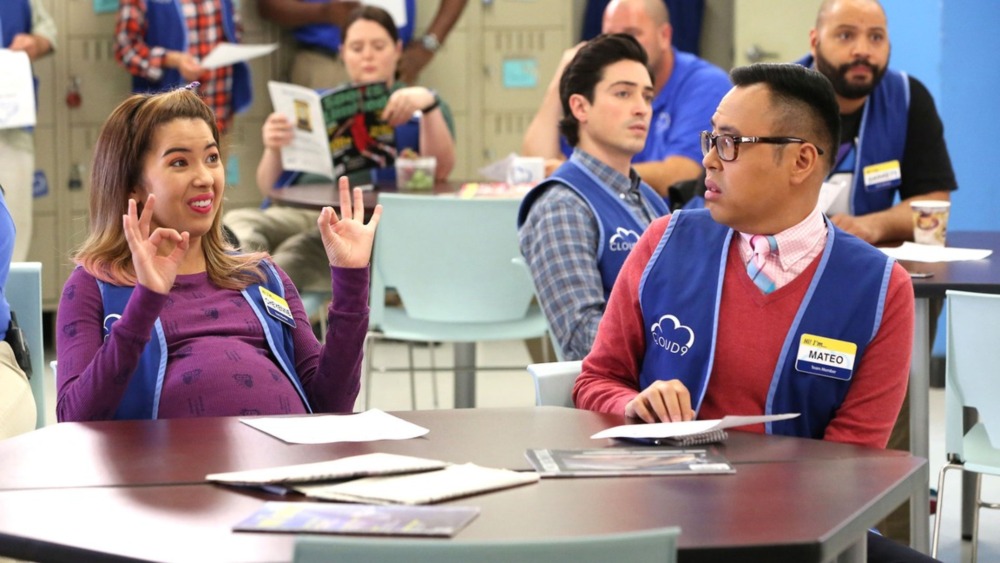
(687, 428)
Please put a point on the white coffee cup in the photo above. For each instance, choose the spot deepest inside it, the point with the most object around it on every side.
(526, 170)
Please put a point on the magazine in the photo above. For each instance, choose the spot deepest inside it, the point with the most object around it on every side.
(338, 131)
(614, 462)
(321, 517)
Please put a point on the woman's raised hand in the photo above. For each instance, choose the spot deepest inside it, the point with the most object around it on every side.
(156, 256)
(348, 240)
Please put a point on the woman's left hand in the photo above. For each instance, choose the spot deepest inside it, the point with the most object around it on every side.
(404, 102)
(348, 240)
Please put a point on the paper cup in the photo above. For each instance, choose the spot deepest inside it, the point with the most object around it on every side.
(526, 170)
(930, 221)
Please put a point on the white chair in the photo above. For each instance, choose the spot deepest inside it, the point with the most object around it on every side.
(24, 293)
(971, 370)
(452, 262)
(554, 382)
(658, 545)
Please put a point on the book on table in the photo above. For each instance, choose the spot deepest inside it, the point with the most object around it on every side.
(332, 518)
(338, 131)
(617, 462)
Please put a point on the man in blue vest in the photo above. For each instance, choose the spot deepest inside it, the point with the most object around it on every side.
(577, 226)
(687, 89)
(315, 25)
(892, 147)
(758, 304)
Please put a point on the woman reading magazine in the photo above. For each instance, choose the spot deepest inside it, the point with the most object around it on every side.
(371, 52)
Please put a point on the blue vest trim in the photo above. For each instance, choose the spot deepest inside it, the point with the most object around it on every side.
(141, 400)
(608, 210)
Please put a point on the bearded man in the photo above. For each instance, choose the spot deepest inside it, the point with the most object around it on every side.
(892, 140)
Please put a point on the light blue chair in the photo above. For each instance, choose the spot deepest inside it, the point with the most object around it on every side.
(453, 263)
(554, 382)
(24, 293)
(647, 546)
(971, 381)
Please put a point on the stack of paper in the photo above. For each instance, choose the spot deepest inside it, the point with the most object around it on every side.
(337, 469)
(451, 482)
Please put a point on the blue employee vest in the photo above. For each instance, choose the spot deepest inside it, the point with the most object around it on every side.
(168, 28)
(618, 227)
(881, 138)
(844, 301)
(142, 395)
(15, 17)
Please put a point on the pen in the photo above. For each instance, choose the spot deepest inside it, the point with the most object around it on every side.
(921, 275)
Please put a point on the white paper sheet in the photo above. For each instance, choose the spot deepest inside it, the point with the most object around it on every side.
(929, 253)
(396, 9)
(225, 54)
(17, 90)
(367, 426)
(674, 429)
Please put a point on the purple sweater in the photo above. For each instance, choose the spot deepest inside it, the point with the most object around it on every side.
(218, 362)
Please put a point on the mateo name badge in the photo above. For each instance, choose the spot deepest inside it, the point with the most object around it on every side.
(277, 307)
(827, 357)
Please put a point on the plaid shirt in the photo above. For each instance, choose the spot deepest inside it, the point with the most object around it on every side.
(203, 19)
(559, 243)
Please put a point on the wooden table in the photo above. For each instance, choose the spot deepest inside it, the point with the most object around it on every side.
(116, 491)
(981, 276)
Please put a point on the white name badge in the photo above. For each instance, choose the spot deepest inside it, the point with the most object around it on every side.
(277, 307)
(882, 175)
(827, 357)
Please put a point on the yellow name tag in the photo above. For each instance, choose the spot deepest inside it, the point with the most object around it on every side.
(819, 355)
(882, 175)
(277, 307)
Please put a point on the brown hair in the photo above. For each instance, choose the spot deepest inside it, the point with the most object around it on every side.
(117, 170)
(372, 14)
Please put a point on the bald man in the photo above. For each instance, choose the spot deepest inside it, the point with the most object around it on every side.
(892, 147)
(687, 91)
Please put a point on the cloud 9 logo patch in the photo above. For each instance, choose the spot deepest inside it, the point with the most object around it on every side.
(672, 336)
(623, 240)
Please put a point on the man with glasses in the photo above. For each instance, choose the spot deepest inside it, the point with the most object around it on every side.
(891, 140)
(758, 304)
(578, 226)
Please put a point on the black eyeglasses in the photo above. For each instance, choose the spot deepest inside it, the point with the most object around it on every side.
(728, 146)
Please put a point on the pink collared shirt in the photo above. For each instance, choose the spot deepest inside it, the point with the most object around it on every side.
(797, 247)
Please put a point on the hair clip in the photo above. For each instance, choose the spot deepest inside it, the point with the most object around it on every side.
(193, 86)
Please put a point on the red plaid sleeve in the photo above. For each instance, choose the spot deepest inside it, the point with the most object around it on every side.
(131, 49)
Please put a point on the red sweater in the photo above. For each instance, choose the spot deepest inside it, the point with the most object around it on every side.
(752, 330)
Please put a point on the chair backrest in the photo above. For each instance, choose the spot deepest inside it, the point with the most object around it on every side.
(24, 293)
(647, 546)
(972, 375)
(450, 259)
(554, 382)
